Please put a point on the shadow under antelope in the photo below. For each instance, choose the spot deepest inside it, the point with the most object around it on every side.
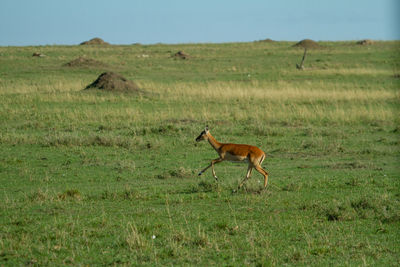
(236, 153)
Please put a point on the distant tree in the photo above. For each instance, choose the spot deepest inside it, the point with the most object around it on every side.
(301, 66)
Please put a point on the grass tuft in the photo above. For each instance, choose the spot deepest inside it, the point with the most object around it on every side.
(70, 194)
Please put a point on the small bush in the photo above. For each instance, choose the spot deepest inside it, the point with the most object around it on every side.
(362, 204)
(70, 194)
(181, 172)
(336, 211)
(206, 186)
(39, 196)
(291, 187)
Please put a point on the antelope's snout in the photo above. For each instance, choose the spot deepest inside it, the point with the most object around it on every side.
(201, 136)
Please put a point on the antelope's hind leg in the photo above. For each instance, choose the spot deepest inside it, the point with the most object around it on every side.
(264, 173)
(249, 169)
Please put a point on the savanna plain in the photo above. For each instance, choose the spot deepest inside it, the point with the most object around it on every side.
(92, 177)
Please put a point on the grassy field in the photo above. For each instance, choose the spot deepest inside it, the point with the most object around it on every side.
(102, 178)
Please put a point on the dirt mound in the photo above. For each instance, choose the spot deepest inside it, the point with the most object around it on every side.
(36, 54)
(94, 41)
(110, 81)
(365, 42)
(307, 43)
(84, 62)
(181, 55)
(266, 41)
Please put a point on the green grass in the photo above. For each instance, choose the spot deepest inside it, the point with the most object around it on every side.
(98, 178)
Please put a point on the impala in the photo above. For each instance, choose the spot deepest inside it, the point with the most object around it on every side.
(236, 153)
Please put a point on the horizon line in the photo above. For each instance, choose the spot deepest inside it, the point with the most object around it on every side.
(190, 43)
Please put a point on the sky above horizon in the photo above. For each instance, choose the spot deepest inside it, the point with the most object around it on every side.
(49, 22)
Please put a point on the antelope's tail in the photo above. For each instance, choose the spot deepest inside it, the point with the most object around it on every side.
(262, 159)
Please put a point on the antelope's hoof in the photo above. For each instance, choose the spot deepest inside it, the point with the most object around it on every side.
(200, 173)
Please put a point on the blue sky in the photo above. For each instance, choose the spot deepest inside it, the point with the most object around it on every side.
(43, 22)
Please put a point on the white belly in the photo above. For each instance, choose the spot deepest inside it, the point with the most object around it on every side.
(235, 158)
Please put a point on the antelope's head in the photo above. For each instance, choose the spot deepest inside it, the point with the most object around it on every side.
(203, 135)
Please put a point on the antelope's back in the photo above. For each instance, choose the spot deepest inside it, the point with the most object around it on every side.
(242, 150)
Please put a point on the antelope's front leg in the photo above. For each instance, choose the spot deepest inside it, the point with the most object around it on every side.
(215, 161)
(203, 170)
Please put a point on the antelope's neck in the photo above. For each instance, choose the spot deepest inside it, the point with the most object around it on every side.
(214, 143)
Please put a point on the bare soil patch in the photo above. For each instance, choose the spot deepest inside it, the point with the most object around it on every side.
(85, 63)
(110, 81)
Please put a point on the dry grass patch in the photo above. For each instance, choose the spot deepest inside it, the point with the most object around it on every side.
(83, 62)
(50, 86)
(353, 71)
(279, 92)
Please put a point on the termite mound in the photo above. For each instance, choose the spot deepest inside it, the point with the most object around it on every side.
(181, 55)
(95, 41)
(113, 82)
